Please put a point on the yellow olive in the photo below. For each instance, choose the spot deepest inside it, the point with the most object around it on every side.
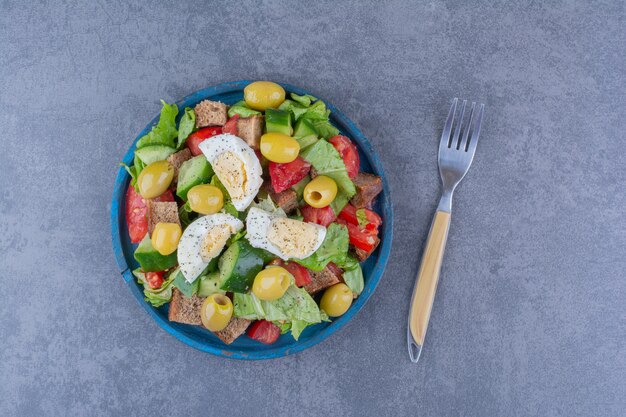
(205, 199)
(336, 300)
(165, 237)
(262, 95)
(320, 192)
(155, 179)
(278, 147)
(217, 311)
(271, 283)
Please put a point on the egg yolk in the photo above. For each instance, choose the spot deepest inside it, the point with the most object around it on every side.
(214, 241)
(294, 238)
(232, 173)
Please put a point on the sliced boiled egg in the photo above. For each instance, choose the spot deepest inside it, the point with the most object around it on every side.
(237, 167)
(284, 237)
(203, 240)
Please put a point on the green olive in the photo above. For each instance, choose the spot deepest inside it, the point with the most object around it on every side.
(205, 199)
(165, 237)
(217, 311)
(155, 179)
(278, 147)
(320, 192)
(263, 95)
(271, 283)
(336, 300)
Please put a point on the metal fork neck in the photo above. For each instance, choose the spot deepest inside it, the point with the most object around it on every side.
(445, 203)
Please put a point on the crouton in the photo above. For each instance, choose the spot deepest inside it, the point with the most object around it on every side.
(161, 212)
(176, 160)
(368, 186)
(362, 255)
(211, 113)
(185, 309)
(250, 129)
(286, 200)
(235, 328)
(323, 279)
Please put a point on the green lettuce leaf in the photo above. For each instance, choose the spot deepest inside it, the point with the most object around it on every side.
(305, 99)
(186, 126)
(333, 249)
(159, 296)
(327, 161)
(297, 109)
(241, 109)
(325, 129)
(317, 111)
(188, 289)
(340, 201)
(165, 131)
(295, 306)
(352, 275)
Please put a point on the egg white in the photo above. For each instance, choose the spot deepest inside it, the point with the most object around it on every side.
(219, 144)
(258, 224)
(190, 244)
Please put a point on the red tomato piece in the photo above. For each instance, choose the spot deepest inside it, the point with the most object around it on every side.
(136, 212)
(155, 279)
(284, 176)
(264, 331)
(349, 215)
(231, 125)
(196, 138)
(349, 153)
(323, 216)
(361, 238)
(300, 273)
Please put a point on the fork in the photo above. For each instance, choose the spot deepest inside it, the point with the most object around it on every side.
(456, 152)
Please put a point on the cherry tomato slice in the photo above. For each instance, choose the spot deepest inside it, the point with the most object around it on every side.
(349, 153)
(349, 214)
(155, 279)
(231, 126)
(136, 212)
(300, 273)
(264, 331)
(284, 176)
(196, 138)
(323, 216)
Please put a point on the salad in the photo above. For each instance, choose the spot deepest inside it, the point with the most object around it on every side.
(251, 218)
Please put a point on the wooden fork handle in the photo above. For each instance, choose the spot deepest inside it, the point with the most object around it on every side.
(426, 286)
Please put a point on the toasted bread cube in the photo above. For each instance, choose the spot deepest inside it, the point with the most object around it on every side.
(211, 113)
(368, 186)
(250, 129)
(185, 309)
(176, 160)
(286, 200)
(235, 328)
(322, 280)
(161, 212)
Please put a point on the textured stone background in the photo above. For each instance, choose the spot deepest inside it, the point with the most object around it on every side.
(530, 315)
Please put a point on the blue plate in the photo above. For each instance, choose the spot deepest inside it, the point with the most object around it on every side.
(244, 347)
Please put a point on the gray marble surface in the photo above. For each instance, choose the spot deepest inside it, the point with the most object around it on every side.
(530, 315)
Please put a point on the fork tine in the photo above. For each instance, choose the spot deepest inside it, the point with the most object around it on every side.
(445, 135)
(457, 130)
(466, 130)
(471, 146)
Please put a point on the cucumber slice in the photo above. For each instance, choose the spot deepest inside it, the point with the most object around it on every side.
(151, 260)
(154, 153)
(210, 284)
(239, 265)
(278, 121)
(195, 171)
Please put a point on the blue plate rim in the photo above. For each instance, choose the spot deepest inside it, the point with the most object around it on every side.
(372, 280)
